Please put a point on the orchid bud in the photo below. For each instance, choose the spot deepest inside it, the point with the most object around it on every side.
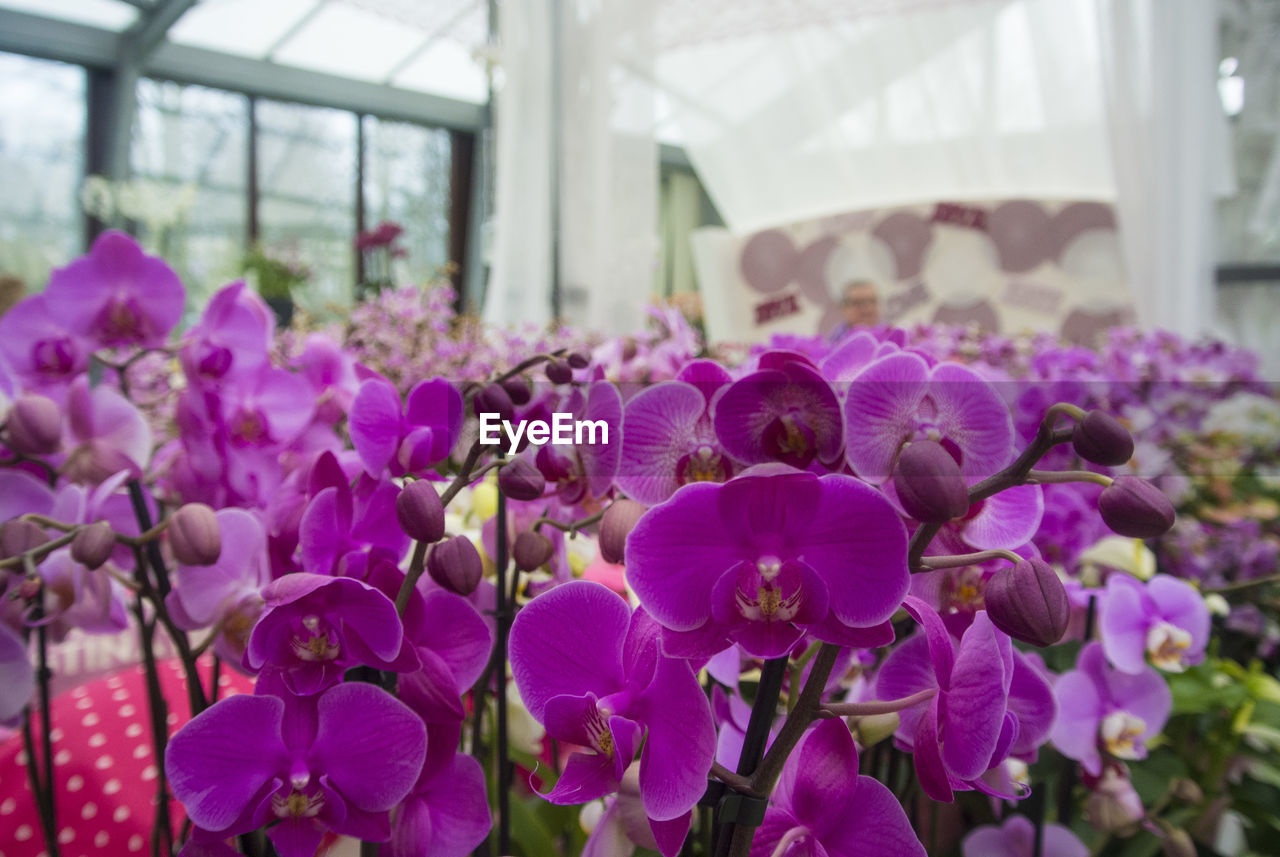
(558, 372)
(455, 565)
(532, 550)
(618, 522)
(1114, 805)
(1134, 507)
(518, 389)
(1028, 602)
(929, 485)
(194, 537)
(1100, 438)
(494, 399)
(17, 537)
(520, 479)
(577, 360)
(35, 426)
(1178, 844)
(92, 545)
(420, 513)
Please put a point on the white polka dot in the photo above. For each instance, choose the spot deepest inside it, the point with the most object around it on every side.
(111, 787)
(149, 772)
(103, 762)
(121, 814)
(171, 719)
(8, 806)
(88, 811)
(135, 843)
(55, 733)
(83, 703)
(75, 782)
(23, 833)
(133, 730)
(62, 757)
(97, 739)
(101, 840)
(127, 710)
(115, 681)
(20, 757)
(81, 691)
(224, 681)
(120, 695)
(141, 751)
(66, 835)
(231, 692)
(91, 719)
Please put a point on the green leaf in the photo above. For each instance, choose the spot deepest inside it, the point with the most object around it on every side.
(528, 830)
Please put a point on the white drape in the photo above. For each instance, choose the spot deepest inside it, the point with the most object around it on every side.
(608, 169)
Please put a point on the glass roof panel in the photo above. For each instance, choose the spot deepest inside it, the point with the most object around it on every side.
(351, 42)
(107, 14)
(220, 25)
(446, 68)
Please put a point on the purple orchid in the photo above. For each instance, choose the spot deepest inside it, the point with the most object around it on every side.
(899, 398)
(1164, 619)
(343, 528)
(446, 813)
(584, 473)
(117, 295)
(622, 825)
(313, 628)
(408, 439)
(39, 348)
(967, 727)
(233, 336)
(823, 809)
(340, 761)
(669, 439)
(1105, 710)
(767, 557)
(785, 411)
(1016, 838)
(105, 434)
(590, 670)
(17, 677)
(228, 593)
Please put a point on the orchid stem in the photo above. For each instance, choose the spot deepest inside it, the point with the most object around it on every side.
(961, 560)
(871, 708)
(500, 658)
(416, 566)
(1057, 477)
(463, 479)
(763, 711)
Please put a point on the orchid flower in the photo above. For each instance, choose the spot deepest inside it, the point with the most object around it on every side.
(1016, 838)
(406, 438)
(1164, 619)
(590, 670)
(767, 557)
(1101, 709)
(339, 760)
(822, 808)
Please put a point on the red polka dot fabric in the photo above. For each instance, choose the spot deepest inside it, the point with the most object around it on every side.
(104, 766)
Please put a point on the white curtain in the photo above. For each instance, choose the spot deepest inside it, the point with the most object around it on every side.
(607, 176)
(1170, 150)
(519, 287)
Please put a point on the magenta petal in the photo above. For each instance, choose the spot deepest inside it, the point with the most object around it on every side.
(370, 744)
(1006, 520)
(437, 404)
(670, 835)
(942, 650)
(873, 824)
(600, 461)
(219, 760)
(21, 493)
(459, 808)
(17, 676)
(568, 640)
(296, 837)
(677, 552)
(323, 530)
(976, 700)
(832, 630)
(658, 430)
(681, 741)
(1075, 731)
(375, 425)
(586, 776)
(819, 789)
(864, 566)
(1032, 701)
(928, 757)
(457, 634)
(972, 415)
(879, 412)
(907, 670)
(707, 375)
(431, 691)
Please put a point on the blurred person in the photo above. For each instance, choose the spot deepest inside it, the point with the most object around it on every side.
(859, 307)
